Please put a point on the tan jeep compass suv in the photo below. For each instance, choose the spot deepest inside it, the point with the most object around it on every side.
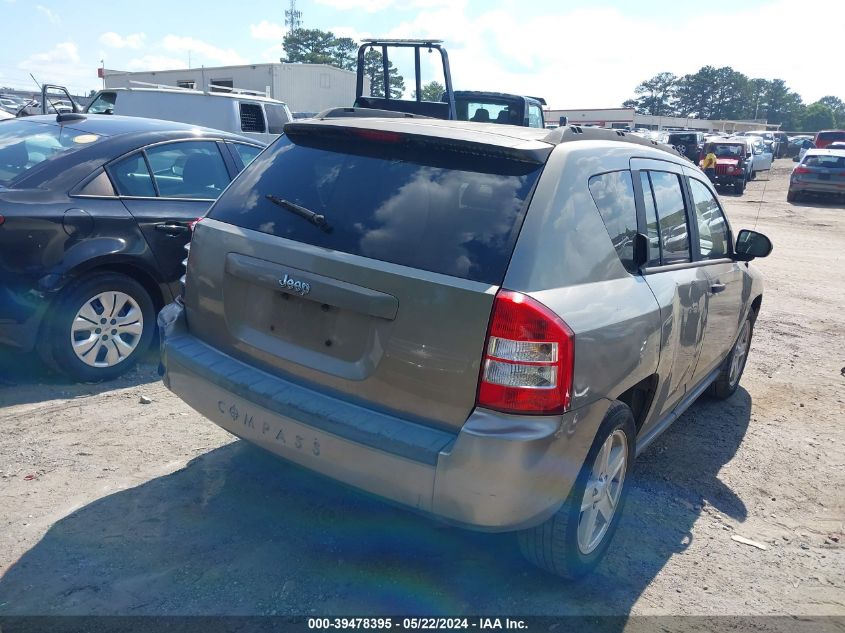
(485, 323)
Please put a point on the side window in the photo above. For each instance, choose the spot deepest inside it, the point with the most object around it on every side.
(712, 228)
(246, 152)
(252, 118)
(674, 232)
(276, 118)
(132, 178)
(613, 194)
(652, 225)
(188, 169)
(103, 104)
(535, 116)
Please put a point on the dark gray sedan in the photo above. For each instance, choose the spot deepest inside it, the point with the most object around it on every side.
(94, 216)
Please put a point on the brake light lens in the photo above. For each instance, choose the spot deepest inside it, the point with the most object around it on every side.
(801, 170)
(193, 224)
(2, 220)
(528, 358)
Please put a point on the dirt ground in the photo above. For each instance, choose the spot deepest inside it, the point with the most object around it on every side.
(111, 506)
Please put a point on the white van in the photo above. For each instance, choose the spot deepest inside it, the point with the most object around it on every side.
(250, 115)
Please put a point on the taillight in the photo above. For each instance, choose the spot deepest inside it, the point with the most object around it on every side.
(2, 219)
(528, 358)
(193, 224)
(801, 170)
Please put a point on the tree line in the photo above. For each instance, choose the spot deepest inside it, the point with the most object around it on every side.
(724, 93)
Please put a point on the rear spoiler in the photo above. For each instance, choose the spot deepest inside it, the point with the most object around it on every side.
(528, 153)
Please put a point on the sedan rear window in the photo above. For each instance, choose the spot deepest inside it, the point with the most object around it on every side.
(25, 144)
(433, 210)
(831, 136)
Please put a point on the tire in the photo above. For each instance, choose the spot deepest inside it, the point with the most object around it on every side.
(791, 196)
(727, 382)
(124, 303)
(555, 545)
(739, 186)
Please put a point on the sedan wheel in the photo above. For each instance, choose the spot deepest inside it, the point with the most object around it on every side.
(99, 328)
(740, 353)
(107, 329)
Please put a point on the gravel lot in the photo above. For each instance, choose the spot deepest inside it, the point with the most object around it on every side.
(110, 506)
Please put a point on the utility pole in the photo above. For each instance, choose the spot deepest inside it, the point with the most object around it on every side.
(293, 18)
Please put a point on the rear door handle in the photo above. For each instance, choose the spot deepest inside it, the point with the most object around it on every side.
(717, 288)
(172, 229)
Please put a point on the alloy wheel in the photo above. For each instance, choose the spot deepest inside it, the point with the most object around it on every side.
(603, 491)
(740, 352)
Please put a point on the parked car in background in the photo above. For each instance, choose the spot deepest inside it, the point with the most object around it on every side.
(797, 144)
(9, 106)
(94, 215)
(836, 145)
(688, 143)
(826, 137)
(6, 115)
(498, 107)
(733, 166)
(771, 140)
(484, 323)
(820, 172)
(257, 117)
(761, 155)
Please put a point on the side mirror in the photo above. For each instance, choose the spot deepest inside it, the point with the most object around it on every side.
(751, 244)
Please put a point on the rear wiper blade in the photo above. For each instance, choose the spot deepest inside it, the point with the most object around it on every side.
(317, 219)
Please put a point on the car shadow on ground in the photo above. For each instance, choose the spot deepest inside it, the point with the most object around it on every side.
(23, 378)
(239, 532)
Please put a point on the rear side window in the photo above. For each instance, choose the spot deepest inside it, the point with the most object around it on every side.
(276, 118)
(252, 118)
(674, 232)
(613, 194)
(430, 209)
(132, 178)
(246, 152)
(535, 116)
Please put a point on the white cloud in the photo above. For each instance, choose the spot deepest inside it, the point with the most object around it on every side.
(155, 62)
(592, 58)
(62, 65)
(50, 15)
(265, 30)
(371, 6)
(272, 54)
(202, 52)
(114, 40)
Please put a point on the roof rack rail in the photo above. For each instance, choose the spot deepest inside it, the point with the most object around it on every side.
(566, 133)
(217, 88)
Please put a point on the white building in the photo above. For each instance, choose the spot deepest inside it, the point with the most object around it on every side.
(626, 118)
(304, 87)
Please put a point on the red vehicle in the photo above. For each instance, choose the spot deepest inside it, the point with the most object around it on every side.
(826, 137)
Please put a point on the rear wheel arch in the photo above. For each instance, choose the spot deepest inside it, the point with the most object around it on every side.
(137, 271)
(639, 398)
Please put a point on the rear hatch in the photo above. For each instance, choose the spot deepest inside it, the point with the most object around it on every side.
(822, 169)
(364, 262)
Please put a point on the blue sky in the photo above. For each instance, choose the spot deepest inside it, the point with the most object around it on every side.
(574, 53)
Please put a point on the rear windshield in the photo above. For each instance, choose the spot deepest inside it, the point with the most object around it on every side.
(24, 144)
(449, 213)
(683, 138)
(824, 160)
(831, 136)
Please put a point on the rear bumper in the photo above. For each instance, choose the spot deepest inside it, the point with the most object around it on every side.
(817, 187)
(497, 473)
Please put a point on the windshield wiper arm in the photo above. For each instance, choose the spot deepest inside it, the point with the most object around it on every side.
(317, 219)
